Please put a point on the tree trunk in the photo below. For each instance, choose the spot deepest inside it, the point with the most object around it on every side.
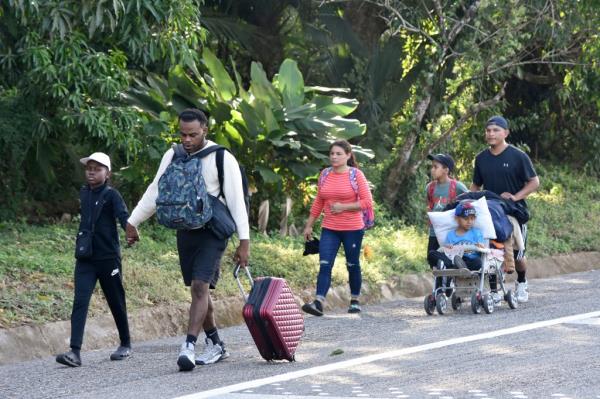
(263, 217)
(401, 169)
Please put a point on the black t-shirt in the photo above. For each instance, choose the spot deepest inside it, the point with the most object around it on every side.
(508, 171)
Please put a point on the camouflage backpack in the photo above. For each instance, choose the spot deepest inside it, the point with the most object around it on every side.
(183, 201)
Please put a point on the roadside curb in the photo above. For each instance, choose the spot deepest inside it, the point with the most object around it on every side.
(37, 341)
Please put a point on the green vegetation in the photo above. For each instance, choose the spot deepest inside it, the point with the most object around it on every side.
(36, 262)
(420, 76)
(280, 80)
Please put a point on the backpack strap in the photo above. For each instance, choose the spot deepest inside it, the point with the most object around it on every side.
(220, 155)
(452, 190)
(98, 209)
(220, 160)
(430, 191)
(323, 176)
(180, 152)
(353, 180)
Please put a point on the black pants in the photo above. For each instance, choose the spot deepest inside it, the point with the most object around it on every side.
(86, 274)
(433, 257)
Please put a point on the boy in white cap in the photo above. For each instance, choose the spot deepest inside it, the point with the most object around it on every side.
(98, 257)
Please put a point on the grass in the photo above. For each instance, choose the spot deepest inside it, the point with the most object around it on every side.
(36, 262)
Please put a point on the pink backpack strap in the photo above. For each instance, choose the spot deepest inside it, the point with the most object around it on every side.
(367, 214)
(323, 176)
(354, 180)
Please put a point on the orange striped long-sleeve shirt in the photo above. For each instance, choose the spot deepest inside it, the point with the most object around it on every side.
(337, 188)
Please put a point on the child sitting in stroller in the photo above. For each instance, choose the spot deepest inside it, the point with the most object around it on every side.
(466, 261)
(464, 234)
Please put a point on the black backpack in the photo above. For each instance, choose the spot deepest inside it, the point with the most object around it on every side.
(180, 151)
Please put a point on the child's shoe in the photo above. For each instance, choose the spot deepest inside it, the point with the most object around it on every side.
(69, 358)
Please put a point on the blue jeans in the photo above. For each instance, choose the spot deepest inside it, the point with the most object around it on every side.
(328, 249)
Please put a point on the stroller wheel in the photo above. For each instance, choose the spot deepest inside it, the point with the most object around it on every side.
(456, 302)
(429, 304)
(488, 303)
(475, 304)
(441, 303)
(511, 298)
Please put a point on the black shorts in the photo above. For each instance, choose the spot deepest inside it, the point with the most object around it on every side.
(200, 254)
(521, 254)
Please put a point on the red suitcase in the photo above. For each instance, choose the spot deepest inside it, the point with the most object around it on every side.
(273, 317)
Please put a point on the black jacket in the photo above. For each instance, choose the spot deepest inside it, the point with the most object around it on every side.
(516, 209)
(106, 237)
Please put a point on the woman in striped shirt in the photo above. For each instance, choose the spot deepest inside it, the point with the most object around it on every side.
(342, 194)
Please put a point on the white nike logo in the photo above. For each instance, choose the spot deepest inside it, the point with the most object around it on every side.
(114, 272)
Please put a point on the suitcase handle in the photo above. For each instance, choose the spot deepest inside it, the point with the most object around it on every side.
(236, 275)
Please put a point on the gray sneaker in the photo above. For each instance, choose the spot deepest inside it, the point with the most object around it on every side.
(187, 357)
(521, 292)
(212, 353)
(497, 298)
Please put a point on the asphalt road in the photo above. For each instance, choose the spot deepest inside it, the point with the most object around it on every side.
(547, 348)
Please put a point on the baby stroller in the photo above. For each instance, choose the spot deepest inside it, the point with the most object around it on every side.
(459, 284)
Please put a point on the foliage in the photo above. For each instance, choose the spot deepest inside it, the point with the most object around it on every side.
(280, 130)
(65, 64)
(455, 62)
(36, 262)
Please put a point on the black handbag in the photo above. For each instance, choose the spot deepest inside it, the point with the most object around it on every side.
(83, 243)
(221, 224)
(311, 247)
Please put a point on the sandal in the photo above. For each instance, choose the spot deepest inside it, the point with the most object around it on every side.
(69, 358)
(121, 353)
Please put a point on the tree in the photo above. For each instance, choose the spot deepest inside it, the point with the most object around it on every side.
(65, 63)
(280, 130)
(467, 52)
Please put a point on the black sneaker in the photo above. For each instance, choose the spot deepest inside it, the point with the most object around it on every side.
(122, 352)
(354, 306)
(314, 308)
(69, 358)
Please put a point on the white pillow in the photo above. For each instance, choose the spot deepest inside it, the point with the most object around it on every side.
(444, 222)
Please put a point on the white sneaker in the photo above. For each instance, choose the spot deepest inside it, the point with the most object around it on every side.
(497, 298)
(212, 353)
(521, 292)
(187, 357)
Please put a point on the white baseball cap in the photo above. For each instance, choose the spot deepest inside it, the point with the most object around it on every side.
(99, 157)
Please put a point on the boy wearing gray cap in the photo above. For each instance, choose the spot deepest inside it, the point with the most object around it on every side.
(98, 257)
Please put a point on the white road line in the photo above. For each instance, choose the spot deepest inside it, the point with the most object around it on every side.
(388, 355)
